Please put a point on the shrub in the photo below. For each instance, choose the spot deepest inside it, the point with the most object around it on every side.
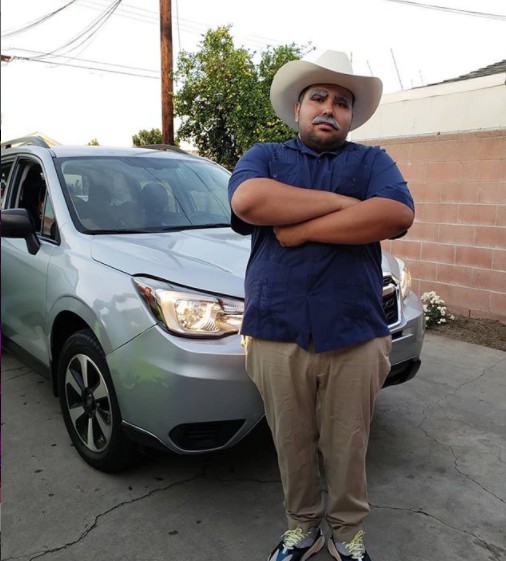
(434, 308)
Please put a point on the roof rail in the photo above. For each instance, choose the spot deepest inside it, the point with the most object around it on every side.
(26, 140)
(169, 147)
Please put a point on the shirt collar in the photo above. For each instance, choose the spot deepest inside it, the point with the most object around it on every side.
(297, 144)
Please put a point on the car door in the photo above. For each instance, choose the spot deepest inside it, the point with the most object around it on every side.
(24, 283)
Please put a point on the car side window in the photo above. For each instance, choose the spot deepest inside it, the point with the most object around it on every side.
(48, 219)
(30, 192)
(6, 170)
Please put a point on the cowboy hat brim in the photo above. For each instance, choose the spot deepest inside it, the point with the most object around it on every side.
(297, 75)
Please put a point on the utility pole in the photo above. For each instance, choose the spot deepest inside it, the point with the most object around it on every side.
(167, 86)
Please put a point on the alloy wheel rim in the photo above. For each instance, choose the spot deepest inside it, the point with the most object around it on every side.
(88, 403)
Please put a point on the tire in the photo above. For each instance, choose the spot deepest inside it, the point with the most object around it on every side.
(89, 405)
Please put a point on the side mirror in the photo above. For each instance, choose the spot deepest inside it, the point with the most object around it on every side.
(18, 223)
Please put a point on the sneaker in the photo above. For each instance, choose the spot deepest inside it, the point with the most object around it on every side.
(351, 551)
(297, 545)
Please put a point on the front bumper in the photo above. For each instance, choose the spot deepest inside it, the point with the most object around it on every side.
(407, 342)
(189, 395)
(193, 395)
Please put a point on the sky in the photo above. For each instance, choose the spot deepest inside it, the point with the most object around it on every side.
(105, 84)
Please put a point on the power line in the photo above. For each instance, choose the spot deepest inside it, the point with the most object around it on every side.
(38, 21)
(177, 23)
(452, 10)
(55, 57)
(36, 59)
(8, 58)
(80, 40)
(86, 34)
(150, 17)
(130, 12)
(59, 56)
(188, 25)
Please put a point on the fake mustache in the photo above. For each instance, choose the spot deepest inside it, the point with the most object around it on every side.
(327, 120)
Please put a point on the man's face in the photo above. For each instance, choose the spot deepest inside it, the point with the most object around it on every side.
(324, 116)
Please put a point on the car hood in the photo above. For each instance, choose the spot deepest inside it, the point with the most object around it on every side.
(212, 260)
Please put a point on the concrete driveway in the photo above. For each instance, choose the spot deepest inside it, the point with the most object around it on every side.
(437, 478)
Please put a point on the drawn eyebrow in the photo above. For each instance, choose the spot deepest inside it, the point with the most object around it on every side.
(319, 91)
(342, 97)
(324, 93)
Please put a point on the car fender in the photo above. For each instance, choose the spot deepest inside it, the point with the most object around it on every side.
(114, 324)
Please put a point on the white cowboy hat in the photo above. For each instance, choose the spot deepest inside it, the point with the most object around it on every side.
(330, 67)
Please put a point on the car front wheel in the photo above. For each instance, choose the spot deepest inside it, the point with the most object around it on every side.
(89, 405)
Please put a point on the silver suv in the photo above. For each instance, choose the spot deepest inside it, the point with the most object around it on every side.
(122, 282)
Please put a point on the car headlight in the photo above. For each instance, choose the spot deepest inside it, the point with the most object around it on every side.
(191, 314)
(405, 280)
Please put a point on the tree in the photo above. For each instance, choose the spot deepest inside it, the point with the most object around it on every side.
(208, 103)
(270, 128)
(145, 137)
(93, 142)
(223, 98)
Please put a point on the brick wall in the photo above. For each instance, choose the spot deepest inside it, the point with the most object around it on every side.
(457, 245)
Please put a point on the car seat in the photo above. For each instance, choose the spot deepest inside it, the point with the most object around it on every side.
(99, 206)
(156, 199)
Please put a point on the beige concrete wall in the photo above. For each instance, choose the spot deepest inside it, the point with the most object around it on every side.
(457, 245)
(449, 141)
(477, 104)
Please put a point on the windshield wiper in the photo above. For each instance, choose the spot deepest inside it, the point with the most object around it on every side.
(194, 227)
(213, 225)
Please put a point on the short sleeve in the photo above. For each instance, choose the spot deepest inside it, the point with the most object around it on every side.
(253, 164)
(387, 180)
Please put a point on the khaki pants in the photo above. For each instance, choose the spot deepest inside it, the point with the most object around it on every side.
(320, 404)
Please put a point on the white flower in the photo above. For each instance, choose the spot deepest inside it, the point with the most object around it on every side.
(434, 309)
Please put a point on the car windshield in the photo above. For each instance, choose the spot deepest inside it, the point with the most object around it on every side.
(144, 193)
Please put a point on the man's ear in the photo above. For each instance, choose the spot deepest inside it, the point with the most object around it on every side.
(297, 110)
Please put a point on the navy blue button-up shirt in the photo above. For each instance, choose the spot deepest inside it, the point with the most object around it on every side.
(330, 293)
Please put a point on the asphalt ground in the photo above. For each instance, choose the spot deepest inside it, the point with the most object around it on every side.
(436, 469)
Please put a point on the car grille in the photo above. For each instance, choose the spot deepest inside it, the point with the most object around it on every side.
(391, 301)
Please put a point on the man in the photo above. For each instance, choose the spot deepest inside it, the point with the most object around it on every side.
(315, 335)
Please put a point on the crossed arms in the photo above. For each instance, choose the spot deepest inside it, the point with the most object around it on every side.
(301, 215)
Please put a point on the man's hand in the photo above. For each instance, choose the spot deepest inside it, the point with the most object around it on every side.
(291, 235)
